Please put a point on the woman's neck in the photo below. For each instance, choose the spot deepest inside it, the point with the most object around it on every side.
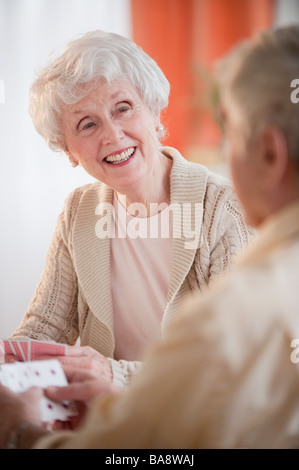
(153, 191)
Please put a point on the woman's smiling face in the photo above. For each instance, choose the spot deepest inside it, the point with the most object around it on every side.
(111, 132)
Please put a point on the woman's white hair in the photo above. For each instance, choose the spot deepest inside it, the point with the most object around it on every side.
(255, 83)
(94, 56)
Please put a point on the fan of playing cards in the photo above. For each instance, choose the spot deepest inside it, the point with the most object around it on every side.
(30, 350)
(19, 376)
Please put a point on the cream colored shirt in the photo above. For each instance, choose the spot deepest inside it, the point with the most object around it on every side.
(223, 377)
(141, 257)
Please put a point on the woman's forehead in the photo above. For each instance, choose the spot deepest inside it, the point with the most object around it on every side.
(104, 90)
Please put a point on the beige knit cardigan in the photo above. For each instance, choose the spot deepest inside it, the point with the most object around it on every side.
(73, 298)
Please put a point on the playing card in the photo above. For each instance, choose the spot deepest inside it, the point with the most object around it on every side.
(17, 349)
(2, 352)
(20, 376)
(39, 348)
(29, 349)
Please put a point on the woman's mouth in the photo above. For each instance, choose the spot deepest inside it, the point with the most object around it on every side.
(121, 157)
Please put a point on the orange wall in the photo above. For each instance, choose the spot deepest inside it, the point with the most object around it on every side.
(180, 34)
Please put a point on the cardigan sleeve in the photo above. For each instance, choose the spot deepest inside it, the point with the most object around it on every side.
(53, 311)
(225, 235)
(229, 234)
(123, 371)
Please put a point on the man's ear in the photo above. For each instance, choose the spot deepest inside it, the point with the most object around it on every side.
(275, 157)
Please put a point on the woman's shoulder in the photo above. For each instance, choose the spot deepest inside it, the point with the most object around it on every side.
(196, 170)
(219, 180)
(220, 189)
(223, 210)
(84, 199)
(91, 191)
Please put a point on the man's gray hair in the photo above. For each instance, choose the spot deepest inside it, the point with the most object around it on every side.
(255, 82)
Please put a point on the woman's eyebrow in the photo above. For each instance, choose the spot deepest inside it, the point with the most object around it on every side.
(119, 93)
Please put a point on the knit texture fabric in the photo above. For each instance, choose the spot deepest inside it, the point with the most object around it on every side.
(73, 298)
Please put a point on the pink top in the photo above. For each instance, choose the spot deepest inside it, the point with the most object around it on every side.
(141, 254)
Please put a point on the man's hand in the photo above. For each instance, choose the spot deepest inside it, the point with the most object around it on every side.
(84, 386)
(17, 408)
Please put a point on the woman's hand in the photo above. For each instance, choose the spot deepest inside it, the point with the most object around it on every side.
(84, 386)
(18, 408)
(88, 359)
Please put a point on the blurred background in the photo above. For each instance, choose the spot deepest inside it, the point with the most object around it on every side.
(185, 37)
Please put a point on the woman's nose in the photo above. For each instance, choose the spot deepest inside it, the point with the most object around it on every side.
(111, 132)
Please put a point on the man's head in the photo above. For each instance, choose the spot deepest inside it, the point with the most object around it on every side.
(261, 121)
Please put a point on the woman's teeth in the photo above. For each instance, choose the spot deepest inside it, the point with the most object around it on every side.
(120, 157)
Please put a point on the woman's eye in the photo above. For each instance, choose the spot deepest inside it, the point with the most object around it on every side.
(88, 125)
(83, 126)
(123, 108)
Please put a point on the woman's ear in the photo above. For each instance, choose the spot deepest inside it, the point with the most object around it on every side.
(72, 160)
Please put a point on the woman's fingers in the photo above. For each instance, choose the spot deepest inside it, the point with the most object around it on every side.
(87, 358)
(84, 392)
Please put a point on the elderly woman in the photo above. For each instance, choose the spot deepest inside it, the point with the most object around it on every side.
(109, 280)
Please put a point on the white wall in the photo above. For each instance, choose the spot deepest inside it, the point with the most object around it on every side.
(286, 12)
(34, 181)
